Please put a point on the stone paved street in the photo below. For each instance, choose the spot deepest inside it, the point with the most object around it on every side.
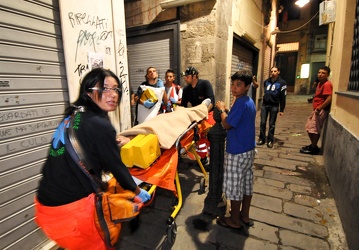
(292, 206)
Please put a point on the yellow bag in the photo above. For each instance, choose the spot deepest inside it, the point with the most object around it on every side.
(114, 206)
(148, 94)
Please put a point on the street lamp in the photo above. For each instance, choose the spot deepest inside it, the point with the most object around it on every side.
(301, 3)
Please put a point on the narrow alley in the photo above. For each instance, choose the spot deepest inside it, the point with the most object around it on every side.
(292, 206)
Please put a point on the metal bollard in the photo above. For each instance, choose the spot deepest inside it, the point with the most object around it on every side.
(215, 203)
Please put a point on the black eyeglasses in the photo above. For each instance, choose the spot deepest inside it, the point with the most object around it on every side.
(107, 89)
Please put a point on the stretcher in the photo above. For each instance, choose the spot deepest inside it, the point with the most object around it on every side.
(163, 172)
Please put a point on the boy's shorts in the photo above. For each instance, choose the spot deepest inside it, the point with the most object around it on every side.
(238, 175)
(316, 121)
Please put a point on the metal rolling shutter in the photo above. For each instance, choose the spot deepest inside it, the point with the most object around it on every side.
(33, 95)
(155, 50)
(242, 59)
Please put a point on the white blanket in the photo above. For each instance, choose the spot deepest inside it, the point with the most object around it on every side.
(169, 126)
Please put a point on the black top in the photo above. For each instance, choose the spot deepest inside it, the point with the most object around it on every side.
(196, 95)
(63, 181)
(275, 93)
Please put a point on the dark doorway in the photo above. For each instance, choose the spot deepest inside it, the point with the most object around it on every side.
(287, 63)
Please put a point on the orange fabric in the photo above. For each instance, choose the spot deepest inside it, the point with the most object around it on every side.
(162, 172)
(71, 226)
(204, 127)
(210, 119)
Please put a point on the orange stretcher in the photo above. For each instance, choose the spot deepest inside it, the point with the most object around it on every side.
(163, 172)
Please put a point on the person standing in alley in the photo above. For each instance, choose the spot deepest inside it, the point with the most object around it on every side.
(152, 80)
(194, 93)
(173, 92)
(240, 150)
(321, 107)
(196, 90)
(274, 99)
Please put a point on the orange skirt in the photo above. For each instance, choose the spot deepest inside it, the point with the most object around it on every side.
(71, 226)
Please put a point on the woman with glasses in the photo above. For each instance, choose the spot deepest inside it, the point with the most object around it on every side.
(64, 204)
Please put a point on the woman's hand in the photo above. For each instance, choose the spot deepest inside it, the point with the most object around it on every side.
(122, 140)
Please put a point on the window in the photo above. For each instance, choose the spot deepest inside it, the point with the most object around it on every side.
(354, 70)
(320, 42)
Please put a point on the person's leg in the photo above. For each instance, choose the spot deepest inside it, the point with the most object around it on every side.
(313, 127)
(248, 186)
(314, 138)
(262, 131)
(272, 119)
(246, 203)
(233, 189)
(234, 219)
(71, 226)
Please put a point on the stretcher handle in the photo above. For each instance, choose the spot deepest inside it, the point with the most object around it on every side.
(194, 124)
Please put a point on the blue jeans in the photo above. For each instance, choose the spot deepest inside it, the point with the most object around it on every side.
(272, 111)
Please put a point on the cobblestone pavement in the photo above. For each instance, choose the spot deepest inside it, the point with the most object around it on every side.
(292, 206)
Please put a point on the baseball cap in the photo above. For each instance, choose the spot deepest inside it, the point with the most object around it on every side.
(190, 71)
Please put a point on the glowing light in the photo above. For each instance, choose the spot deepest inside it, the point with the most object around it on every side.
(304, 71)
(301, 3)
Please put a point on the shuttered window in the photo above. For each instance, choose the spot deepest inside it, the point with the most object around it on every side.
(354, 70)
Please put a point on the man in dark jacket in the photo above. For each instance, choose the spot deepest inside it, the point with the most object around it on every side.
(275, 90)
(196, 90)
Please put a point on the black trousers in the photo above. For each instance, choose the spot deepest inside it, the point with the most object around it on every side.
(272, 111)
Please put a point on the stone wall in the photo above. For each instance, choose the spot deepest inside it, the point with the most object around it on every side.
(204, 41)
(341, 162)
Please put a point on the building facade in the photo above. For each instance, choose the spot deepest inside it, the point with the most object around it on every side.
(341, 138)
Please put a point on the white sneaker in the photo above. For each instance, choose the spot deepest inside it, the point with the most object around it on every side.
(207, 102)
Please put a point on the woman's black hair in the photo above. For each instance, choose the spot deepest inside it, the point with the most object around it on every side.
(94, 77)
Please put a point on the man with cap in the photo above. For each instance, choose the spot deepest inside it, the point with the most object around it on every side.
(197, 90)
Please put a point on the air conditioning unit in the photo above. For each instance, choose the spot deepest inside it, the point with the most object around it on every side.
(327, 12)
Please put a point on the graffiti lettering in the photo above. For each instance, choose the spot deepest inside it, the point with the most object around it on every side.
(18, 115)
(20, 129)
(91, 38)
(121, 49)
(33, 142)
(122, 76)
(5, 132)
(140, 71)
(46, 112)
(21, 115)
(9, 149)
(80, 68)
(41, 125)
(85, 19)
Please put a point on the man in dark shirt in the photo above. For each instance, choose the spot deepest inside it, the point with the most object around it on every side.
(275, 90)
(196, 90)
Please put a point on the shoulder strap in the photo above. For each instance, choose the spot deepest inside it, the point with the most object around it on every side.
(76, 152)
(177, 89)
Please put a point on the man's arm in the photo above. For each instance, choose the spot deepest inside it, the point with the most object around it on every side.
(283, 95)
(255, 83)
(327, 101)
(209, 94)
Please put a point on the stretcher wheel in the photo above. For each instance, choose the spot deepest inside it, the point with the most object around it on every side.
(202, 186)
(171, 232)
